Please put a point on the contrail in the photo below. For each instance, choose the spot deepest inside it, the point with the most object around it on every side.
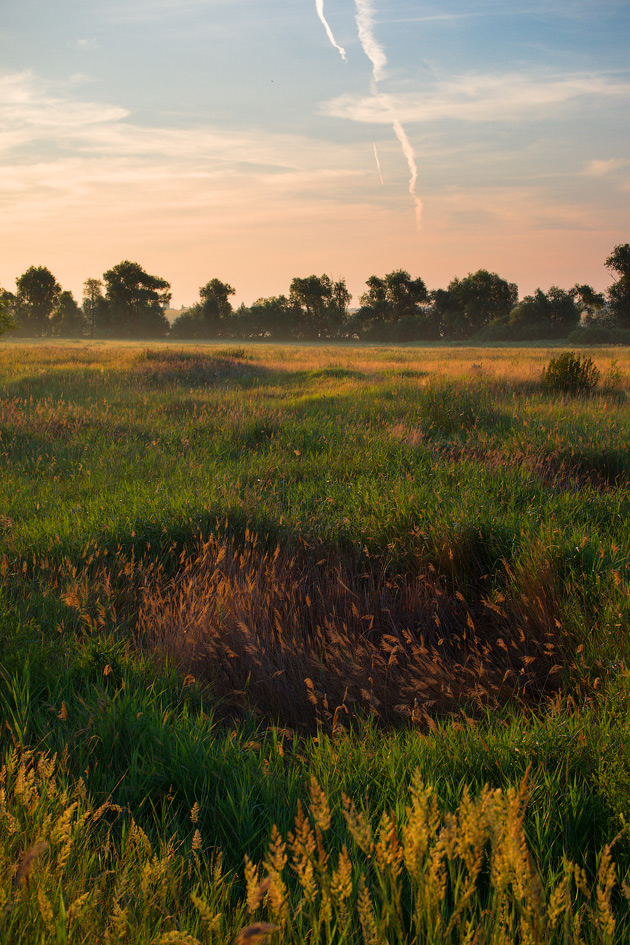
(408, 151)
(378, 163)
(319, 6)
(372, 49)
(376, 54)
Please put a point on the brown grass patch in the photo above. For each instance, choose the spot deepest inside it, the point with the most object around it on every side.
(558, 469)
(310, 643)
(45, 418)
(163, 367)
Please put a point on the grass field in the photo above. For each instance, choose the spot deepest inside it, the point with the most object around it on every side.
(388, 586)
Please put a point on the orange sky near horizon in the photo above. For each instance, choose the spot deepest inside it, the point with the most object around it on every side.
(205, 138)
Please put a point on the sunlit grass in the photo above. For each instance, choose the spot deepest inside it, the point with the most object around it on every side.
(224, 569)
(74, 872)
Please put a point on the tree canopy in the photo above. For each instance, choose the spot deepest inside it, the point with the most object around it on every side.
(95, 308)
(273, 317)
(319, 305)
(67, 320)
(136, 301)
(551, 314)
(128, 302)
(37, 296)
(210, 317)
(393, 297)
(619, 291)
(7, 322)
(471, 303)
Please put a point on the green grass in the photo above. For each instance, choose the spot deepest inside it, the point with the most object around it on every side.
(448, 473)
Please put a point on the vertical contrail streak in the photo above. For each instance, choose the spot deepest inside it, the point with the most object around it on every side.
(319, 6)
(372, 49)
(407, 150)
(376, 54)
(378, 163)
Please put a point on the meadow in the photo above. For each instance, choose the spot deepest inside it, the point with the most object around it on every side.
(308, 643)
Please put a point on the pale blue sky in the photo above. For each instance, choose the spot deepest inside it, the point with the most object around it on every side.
(228, 138)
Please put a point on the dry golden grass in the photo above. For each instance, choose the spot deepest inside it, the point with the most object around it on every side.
(467, 877)
(308, 642)
(502, 364)
(72, 872)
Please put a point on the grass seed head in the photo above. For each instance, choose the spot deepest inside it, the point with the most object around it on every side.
(254, 934)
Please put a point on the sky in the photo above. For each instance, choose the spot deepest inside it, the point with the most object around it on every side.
(258, 140)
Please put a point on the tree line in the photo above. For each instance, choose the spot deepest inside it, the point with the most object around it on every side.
(130, 303)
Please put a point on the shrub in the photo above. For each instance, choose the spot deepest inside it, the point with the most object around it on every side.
(570, 374)
(620, 336)
(591, 335)
(599, 335)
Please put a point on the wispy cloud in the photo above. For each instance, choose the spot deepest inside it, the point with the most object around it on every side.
(33, 112)
(599, 168)
(378, 163)
(463, 17)
(84, 44)
(569, 9)
(83, 184)
(510, 208)
(481, 97)
(29, 112)
(100, 146)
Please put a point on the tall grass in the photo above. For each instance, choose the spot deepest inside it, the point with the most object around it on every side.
(311, 643)
(223, 571)
(74, 872)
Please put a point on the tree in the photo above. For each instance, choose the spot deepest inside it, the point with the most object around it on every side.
(136, 302)
(215, 307)
(587, 297)
(320, 305)
(37, 297)
(7, 322)
(210, 317)
(186, 326)
(393, 297)
(592, 305)
(552, 314)
(619, 291)
(619, 260)
(274, 317)
(590, 302)
(95, 308)
(473, 302)
(67, 320)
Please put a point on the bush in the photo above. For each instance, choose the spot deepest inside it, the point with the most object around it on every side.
(570, 374)
(591, 335)
(599, 335)
(620, 336)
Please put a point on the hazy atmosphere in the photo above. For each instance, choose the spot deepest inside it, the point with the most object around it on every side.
(258, 140)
